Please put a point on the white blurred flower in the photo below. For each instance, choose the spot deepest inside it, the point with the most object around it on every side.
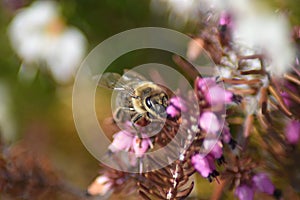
(269, 34)
(257, 29)
(180, 11)
(39, 36)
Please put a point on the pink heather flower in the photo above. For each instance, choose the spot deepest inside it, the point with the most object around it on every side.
(101, 185)
(204, 84)
(173, 111)
(122, 141)
(286, 97)
(218, 95)
(178, 102)
(244, 192)
(125, 141)
(225, 19)
(204, 165)
(140, 147)
(215, 148)
(213, 93)
(292, 132)
(263, 183)
(209, 122)
(176, 106)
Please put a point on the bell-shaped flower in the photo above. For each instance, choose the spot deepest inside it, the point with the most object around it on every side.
(263, 183)
(244, 192)
(100, 186)
(214, 93)
(177, 105)
(122, 141)
(209, 122)
(217, 95)
(203, 84)
(204, 164)
(225, 19)
(140, 145)
(214, 147)
(292, 131)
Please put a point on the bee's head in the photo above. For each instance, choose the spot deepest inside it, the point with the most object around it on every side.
(157, 105)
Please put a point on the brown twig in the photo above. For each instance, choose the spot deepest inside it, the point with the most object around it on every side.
(292, 78)
(280, 101)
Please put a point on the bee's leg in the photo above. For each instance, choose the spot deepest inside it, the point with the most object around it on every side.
(135, 119)
(135, 97)
(159, 121)
(121, 111)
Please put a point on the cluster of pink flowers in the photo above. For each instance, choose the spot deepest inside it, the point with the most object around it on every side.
(214, 95)
(211, 95)
(260, 183)
(206, 154)
(126, 141)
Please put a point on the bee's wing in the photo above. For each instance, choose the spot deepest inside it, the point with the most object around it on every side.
(132, 76)
(109, 80)
(114, 81)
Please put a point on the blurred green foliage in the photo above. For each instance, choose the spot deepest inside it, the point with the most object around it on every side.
(43, 109)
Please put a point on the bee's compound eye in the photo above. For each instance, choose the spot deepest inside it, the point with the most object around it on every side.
(149, 102)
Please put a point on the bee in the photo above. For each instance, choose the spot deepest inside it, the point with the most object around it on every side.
(137, 99)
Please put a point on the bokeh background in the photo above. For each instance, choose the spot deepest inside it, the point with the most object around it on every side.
(37, 109)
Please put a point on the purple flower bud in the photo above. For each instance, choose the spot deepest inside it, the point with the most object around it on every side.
(140, 147)
(209, 122)
(244, 192)
(226, 136)
(122, 141)
(292, 132)
(225, 26)
(225, 19)
(286, 96)
(215, 148)
(263, 183)
(203, 164)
